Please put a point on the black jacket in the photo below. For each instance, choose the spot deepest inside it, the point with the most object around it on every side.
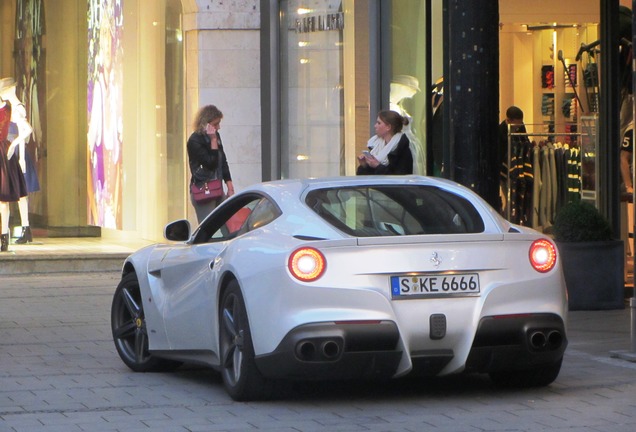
(502, 145)
(204, 161)
(400, 161)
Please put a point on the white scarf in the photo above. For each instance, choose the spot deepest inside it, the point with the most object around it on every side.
(381, 149)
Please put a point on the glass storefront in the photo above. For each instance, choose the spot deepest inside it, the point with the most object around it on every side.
(102, 82)
(332, 83)
(343, 61)
(545, 72)
(105, 85)
(312, 85)
(409, 94)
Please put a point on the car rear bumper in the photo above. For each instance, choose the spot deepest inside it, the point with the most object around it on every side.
(517, 342)
(336, 350)
(350, 350)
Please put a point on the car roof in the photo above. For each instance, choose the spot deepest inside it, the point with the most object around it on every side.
(289, 193)
(349, 181)
(281, 190)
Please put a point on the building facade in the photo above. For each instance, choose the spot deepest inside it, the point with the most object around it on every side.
(111, 88)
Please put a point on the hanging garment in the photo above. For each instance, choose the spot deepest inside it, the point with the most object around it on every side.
(545, 199)
(553, 184)
(558, 161)
(536, 174)
(521, 179)
(574, 176)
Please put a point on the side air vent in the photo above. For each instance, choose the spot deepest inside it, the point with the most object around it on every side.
(304, 237)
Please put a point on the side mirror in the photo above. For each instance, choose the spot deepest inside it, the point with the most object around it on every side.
(177, 230)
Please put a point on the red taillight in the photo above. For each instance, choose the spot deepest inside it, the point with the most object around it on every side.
(307, 264)
(543, 255)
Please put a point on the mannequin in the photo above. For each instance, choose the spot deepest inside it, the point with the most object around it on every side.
(19, 133)
(12, 183)
(404, 87)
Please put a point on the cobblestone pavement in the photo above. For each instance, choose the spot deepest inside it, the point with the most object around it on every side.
(59, 372)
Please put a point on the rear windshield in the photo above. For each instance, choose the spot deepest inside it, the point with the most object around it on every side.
(395, 210)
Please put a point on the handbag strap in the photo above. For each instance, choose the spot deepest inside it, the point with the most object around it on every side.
(218, 172)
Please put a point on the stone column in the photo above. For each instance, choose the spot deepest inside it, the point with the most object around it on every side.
(471, 94)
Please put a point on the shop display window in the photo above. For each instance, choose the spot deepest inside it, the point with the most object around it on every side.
(103, 89)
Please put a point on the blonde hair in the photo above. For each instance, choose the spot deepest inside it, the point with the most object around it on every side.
(206, 114)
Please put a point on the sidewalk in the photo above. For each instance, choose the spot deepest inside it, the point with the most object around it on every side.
(66, 254)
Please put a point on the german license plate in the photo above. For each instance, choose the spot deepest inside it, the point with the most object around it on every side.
(435, 285)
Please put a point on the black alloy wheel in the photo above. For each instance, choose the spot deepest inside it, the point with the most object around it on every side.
(130, 333)
(241, 377)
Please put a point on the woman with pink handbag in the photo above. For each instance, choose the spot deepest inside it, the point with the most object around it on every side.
(208, 164)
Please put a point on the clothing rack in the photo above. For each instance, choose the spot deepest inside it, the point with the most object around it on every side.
(533, 134)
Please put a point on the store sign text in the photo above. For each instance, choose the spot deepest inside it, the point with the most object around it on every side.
(331, 21)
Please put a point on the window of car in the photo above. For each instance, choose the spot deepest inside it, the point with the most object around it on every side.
(395, 210)
(244, 214)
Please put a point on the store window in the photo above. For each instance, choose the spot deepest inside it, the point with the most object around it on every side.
(341, 63)
(146, 118)
(549, 68)
(409, 91)
(105, 112)
(102, 84)
(45, 50)
(175, 109)
(312, 119)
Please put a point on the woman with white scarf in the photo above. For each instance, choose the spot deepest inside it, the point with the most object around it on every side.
(390, 151)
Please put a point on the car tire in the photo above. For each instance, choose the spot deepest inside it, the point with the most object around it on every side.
(130, 334)
(539, 376)
(241, 378)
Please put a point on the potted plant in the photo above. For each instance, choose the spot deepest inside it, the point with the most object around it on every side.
(593, 262)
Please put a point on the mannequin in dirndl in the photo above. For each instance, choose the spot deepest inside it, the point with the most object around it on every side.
(19, 133)
(12, 182)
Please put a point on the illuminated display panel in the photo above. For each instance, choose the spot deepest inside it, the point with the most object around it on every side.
(104, 105)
